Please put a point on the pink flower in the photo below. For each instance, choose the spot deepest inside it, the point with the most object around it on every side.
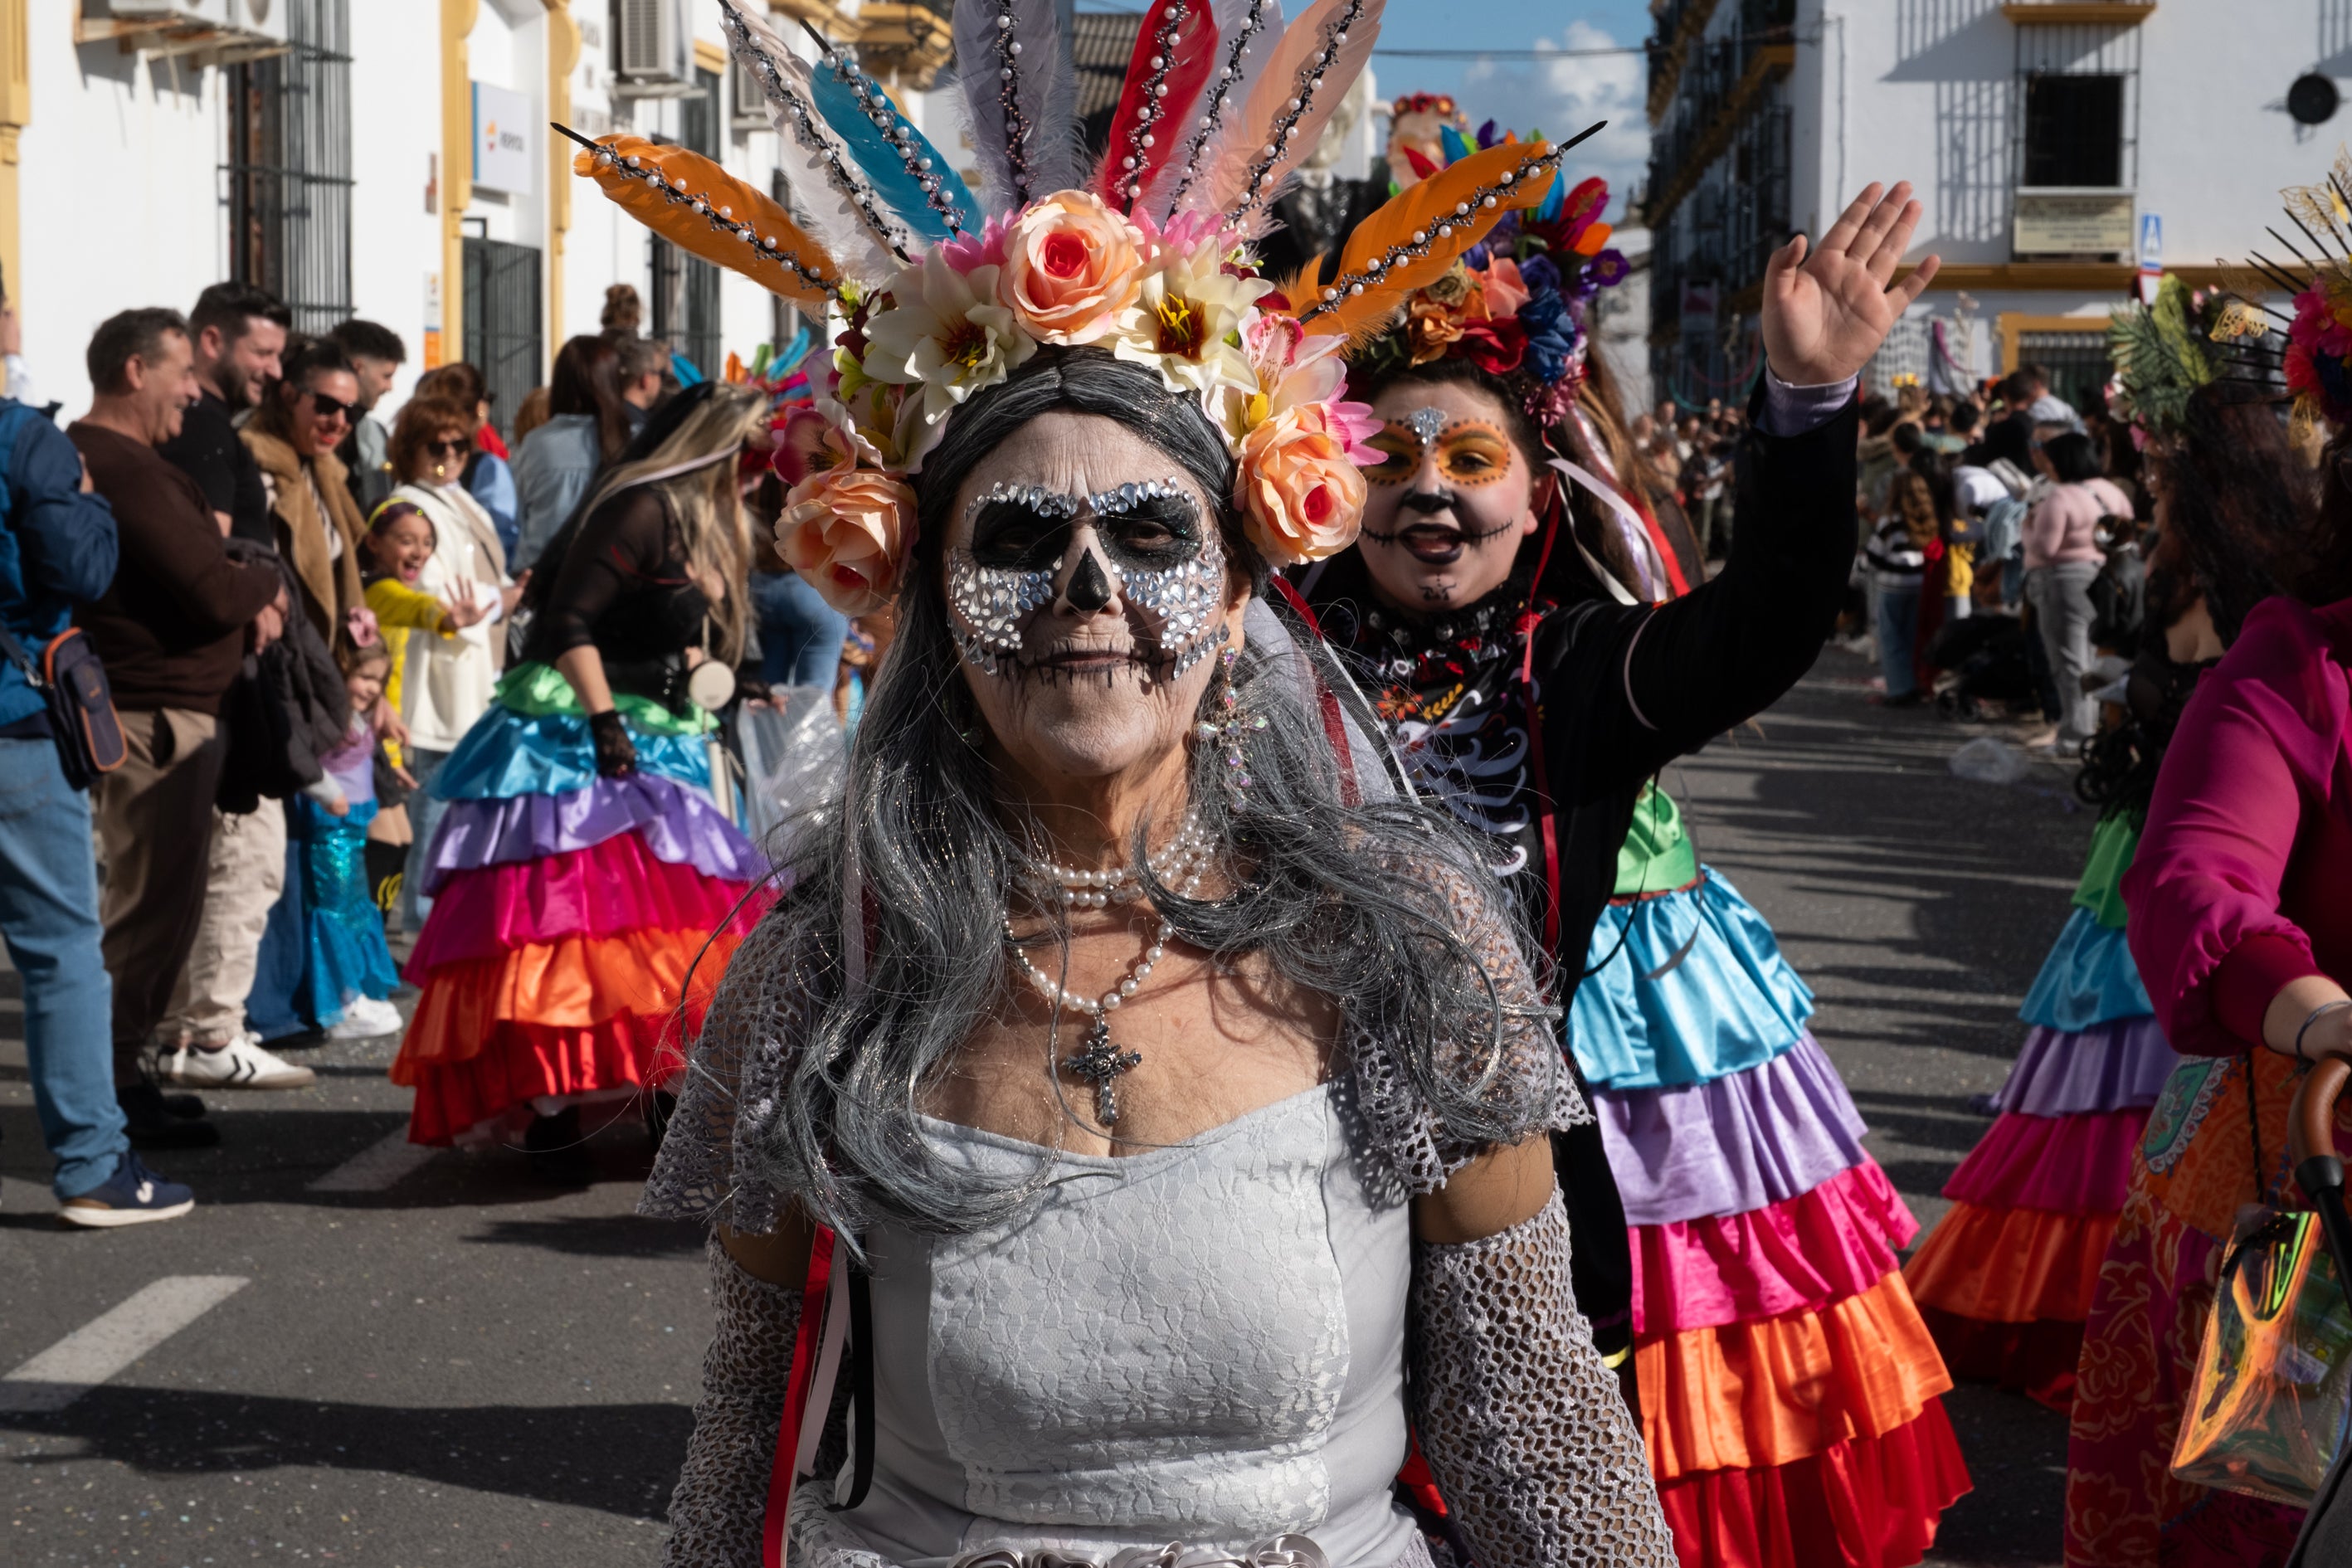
(1356, 424)
(1302, 496)
(1070, 267)
(848, 532)
(807, 443)
(1506, 292)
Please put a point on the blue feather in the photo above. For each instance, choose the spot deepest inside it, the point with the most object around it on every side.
(1554, 199)
(1457, 146)
(835, 89)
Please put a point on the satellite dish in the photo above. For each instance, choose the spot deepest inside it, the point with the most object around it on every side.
(2312, 99)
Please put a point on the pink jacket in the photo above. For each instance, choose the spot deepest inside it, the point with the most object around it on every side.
(2238, 885)
(2064, 524)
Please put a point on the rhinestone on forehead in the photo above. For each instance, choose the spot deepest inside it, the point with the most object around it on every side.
(1127, 497)
(1428, 422)
(1036, 497)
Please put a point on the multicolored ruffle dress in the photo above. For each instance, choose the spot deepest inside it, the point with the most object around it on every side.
(569, 912)
(1788, 1388)
(2005, 1280)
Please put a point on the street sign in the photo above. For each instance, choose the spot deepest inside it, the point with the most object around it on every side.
(503, 138)
(2151, 255)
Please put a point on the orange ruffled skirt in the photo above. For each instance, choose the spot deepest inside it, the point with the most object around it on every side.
(575, 938)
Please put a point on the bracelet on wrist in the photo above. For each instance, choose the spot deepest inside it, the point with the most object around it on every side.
(2313, 1018)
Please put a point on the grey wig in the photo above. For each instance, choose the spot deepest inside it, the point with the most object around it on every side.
(1372, 904)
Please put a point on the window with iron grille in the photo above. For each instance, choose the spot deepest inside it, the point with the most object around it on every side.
(2073, 130)
(685, 287)
(287, 177)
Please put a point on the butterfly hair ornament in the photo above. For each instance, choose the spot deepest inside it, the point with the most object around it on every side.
(937, 293)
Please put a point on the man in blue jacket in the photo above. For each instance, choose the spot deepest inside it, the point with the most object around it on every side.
(57, 547)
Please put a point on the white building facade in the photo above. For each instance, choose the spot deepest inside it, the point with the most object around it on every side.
(388, 159)
(2057, 145)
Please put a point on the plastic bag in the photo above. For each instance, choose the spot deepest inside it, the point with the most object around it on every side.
(1987, 761)
(2266, 1411)
(794, 758)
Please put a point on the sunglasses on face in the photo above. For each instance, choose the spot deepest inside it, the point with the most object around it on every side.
(448, 448)
(326, 407)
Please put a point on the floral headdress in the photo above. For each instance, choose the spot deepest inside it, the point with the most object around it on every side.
(2162, 353)
(1147, 256)
(2316, 359)
(1517, 304)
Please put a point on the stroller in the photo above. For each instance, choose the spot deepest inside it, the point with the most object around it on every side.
(1988, 655)
(2327, 1537)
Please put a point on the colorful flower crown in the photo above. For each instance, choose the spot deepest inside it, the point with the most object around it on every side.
(1147, 258)
(1517, 305)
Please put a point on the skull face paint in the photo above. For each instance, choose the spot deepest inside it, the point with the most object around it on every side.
(1145, 543)
(1470, 452)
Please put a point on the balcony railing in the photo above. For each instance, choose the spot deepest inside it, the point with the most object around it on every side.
(1723, 84)
(1727, 235)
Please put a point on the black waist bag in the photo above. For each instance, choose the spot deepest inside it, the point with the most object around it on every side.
(71, 682)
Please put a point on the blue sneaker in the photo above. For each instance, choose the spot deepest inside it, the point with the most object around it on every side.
(132, 1195)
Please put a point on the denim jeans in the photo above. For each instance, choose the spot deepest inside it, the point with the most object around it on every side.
(48, 913)
(425, 809)
(1898, 640)
(800, 634)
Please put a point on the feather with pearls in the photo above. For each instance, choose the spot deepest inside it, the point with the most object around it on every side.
(1246, 32)
(1422, 231)
(1175, 50)
(1308, 71)
(1021, 98)
(702, 209)
(828, 191)
(903, 166)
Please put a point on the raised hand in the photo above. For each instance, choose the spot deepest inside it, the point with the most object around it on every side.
(1825, 313)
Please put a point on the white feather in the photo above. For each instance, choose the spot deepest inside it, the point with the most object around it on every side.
(822, 183)
(1049, 156)
(1223, 97)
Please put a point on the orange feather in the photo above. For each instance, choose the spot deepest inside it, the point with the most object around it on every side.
(1422, 208)
(667, 206)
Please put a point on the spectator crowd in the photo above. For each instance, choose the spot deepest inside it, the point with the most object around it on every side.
(300, 607)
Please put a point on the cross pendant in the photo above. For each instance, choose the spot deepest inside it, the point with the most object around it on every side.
(1100, 1064)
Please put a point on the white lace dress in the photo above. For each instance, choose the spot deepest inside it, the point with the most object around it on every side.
(1216, 1345)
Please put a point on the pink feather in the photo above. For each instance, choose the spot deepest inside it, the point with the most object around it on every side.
(1225, 185)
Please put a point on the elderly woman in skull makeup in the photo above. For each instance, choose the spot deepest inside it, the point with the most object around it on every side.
(1170, 1079)
(1158, 1105)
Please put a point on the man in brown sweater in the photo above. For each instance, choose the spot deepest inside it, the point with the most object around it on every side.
(173, 629)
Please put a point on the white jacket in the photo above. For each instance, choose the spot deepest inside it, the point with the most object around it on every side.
(446, 682)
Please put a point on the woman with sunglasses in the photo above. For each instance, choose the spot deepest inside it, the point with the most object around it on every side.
(293, 435)
(444, 684)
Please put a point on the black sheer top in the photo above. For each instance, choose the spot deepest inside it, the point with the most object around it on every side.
(618, 579)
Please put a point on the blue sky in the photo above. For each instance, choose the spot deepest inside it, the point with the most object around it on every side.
(1558, 96)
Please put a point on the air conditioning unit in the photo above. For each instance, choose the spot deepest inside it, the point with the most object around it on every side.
(747, 106)
(653, 49)
(213, 30)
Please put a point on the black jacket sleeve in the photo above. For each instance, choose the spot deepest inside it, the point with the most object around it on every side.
(1627, 688)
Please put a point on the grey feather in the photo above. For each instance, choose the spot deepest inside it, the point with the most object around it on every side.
(1026, 140)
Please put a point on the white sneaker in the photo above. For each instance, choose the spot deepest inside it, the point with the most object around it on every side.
(365, 1018)
(240, 1063)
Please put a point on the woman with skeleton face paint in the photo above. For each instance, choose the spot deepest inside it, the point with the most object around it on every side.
(1541, 639)
(1130, 1134)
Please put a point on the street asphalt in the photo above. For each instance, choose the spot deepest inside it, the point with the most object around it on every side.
(454, 1363)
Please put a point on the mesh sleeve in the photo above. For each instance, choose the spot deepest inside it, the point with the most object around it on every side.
(722, 1491)
(1524, 1428)
(727, 1091)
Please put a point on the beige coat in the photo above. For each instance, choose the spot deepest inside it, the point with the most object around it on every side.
(330, 579)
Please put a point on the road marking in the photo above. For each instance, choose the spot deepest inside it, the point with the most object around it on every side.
(113, 1341)
(377, 1166)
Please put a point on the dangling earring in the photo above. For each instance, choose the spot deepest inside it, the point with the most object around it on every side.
(1228, 727)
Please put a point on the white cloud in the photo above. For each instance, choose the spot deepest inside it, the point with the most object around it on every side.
(1562, 97)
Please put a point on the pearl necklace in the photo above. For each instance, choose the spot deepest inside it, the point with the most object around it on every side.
(1099, 1061)
(1179, 865)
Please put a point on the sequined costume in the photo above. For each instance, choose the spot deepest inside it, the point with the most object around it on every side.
(348, 958)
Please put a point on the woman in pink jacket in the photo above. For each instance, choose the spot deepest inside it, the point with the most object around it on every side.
(2062, 559)
(2239, 926)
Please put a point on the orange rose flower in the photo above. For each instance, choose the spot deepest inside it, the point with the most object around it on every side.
(1302, 496)
(848, 532)
(1070, 268)
(1431, 329)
